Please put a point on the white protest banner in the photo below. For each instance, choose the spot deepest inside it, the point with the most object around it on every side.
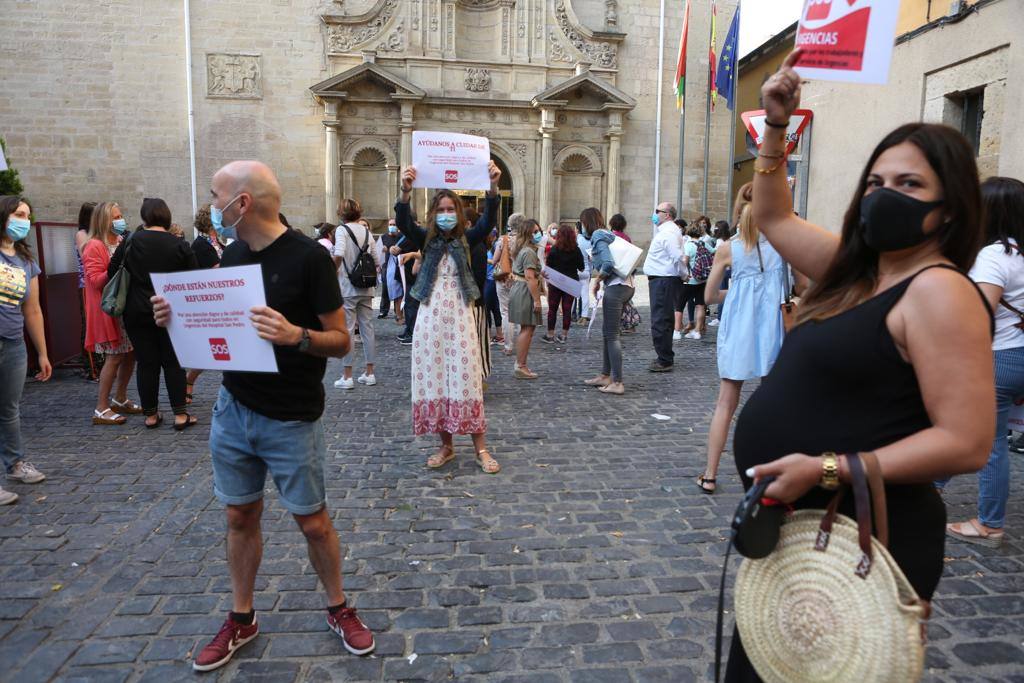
(451, 161)
(210, 327)
(847, 40)
(3, 160)
(569, 285)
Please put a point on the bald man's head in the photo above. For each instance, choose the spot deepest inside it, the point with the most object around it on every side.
(253, 178)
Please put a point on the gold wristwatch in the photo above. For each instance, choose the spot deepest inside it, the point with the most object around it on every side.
(829, 472)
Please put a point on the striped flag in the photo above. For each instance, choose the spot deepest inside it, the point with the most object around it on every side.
(712, 75)
(681, 59)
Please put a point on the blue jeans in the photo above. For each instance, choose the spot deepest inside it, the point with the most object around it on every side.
(994, 478)
(245, 444)
(13, 368)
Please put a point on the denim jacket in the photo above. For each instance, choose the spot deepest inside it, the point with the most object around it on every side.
(601, 257)
(439, 246)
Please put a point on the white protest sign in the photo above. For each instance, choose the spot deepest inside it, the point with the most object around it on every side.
(3, 160)
(451, 161)
(847, 40)
(569, 285)
(210, 327)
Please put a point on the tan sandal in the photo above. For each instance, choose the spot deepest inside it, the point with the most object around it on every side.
(437, 460)
(525, 373)
(125, 407)
(972, 531)
(599, 381)
(489, 465)
(613, 388)
(107, 417)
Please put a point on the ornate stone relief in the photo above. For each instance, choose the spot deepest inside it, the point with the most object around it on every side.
(611, 13)
(234, 76)
(558, 52)
(415, 13)
(481, 132)
(395, 42)
(478, 80)
(520, 150)
(346, 35)
(602, 53)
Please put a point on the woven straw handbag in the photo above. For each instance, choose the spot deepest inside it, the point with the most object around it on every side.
(829, 604)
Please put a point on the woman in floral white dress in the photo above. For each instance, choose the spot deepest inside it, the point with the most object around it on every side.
(447, 378)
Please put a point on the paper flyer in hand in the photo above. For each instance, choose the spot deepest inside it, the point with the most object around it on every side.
(210, 326)
(451, 160)
(847, 40)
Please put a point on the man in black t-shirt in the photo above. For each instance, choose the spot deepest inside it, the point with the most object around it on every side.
(265, 421)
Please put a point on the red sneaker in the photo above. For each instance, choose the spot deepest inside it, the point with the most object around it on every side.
(231, 636)
(347, 624)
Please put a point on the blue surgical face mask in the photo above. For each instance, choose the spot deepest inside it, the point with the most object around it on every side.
(392, 229)
(225, 232)
(537, 238)
(446, 221)
(654, 218)
(17, 228)
(120, 226)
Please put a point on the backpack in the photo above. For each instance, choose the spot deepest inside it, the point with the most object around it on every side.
(363, 274)
(701, 267)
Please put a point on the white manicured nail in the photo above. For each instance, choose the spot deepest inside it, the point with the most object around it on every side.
(750, 473)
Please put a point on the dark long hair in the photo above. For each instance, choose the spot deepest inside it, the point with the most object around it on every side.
(1004, 211)
(85, 215)
(8, 205)
(592, 220)
(853, 274)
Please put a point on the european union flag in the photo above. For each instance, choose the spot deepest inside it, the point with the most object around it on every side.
(727, 64)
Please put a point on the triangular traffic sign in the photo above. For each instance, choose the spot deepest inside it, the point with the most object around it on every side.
(755, 123)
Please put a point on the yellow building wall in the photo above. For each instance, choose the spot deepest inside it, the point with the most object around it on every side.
(917, 13)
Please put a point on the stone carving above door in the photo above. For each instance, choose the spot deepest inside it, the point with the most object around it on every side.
(478, 80)
(602, 53)
(346, 33)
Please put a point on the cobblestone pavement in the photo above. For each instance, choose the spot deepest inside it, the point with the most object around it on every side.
(593, 557)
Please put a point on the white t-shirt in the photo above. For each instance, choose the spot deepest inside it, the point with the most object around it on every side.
(995, 267)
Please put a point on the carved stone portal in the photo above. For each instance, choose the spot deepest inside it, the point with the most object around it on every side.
(478, 80)
(234, 76)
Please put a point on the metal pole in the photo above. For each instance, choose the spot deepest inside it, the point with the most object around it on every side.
(682, 158)
(732, 156)
(805, 168)
(707, 151)
(657, 122)
(191, 112)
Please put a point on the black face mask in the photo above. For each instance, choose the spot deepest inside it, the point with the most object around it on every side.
(891, 220)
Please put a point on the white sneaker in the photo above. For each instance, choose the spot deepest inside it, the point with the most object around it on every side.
(7, 497)
(26, 472)
(342, 383)
(677, 335)
(368, 380)
(713, 323)
(693, 335)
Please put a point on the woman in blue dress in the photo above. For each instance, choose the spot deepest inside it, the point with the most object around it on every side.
(751, 331)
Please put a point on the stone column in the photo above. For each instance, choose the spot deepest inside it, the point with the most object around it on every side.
(332, 160)
(614, 136)
(546, 179)
(406, 126)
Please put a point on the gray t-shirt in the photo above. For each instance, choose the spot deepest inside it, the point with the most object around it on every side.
(16, 274)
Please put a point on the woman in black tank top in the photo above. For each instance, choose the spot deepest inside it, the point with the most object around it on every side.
(891, 351)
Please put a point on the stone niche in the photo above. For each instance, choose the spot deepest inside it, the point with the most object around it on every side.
(479, 29)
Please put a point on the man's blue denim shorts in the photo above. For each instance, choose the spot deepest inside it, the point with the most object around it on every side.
(245, 444)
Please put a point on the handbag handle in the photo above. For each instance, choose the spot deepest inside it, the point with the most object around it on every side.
(864, 472)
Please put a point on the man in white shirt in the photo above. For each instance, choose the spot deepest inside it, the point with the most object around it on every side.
(664, 269)
(350, 239)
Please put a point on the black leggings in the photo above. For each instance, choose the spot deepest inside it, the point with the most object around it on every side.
(153, 352)
(556, 298)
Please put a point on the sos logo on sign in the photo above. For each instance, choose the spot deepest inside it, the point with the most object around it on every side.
(219, 348)
(818, 10)
(451, 176)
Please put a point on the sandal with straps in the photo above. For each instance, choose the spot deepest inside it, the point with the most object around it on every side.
(701, 480)
(190, 421)
(437, 460)
(973, 532)
(189, 388)
(107, 417)
(153, 425)
(125, 407)
(488, 465)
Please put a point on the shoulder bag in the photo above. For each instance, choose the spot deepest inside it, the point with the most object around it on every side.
(115, 292)
(625, 256)
(503, 268)
(789, 304)
(829, 602)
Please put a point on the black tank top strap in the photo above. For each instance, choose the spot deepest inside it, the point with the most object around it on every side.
(902, 287)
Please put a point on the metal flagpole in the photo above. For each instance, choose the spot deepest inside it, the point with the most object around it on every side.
(682, 162)
(707, 130)
(657, 124)
(732, 126)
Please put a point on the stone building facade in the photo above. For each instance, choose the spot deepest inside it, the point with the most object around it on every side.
(329, 92)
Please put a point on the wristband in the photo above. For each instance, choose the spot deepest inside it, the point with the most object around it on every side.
(772, 124)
